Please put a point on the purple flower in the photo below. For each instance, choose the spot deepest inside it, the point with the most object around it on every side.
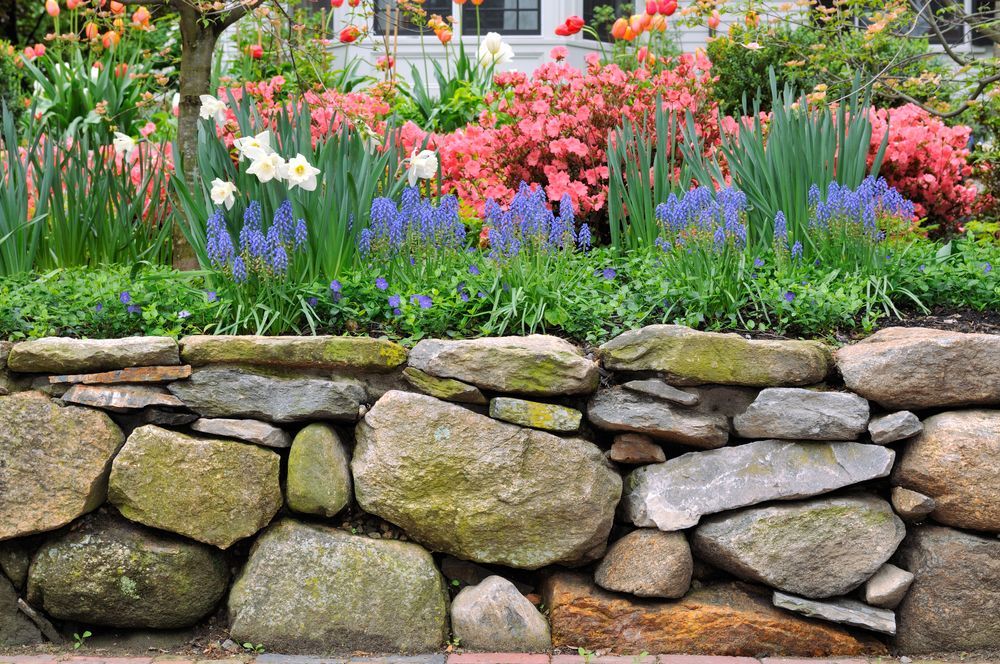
(313, 301)
(465, 296)
(921, 268)
(397, 312)
(336, 286)
(134, 309)
(99, 308)
(481, 294)
(758, 262)
(473, 270)
(789, 296)
(609, 273)
(183, 313)
(395, 301)
(987, 268)
(423, 301)
(797, 250)
(211, 295)
(381, 283)
(125, 297)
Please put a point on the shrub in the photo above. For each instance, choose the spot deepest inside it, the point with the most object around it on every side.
(11, 79)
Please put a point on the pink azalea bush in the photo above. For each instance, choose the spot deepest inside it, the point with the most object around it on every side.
(927, 161)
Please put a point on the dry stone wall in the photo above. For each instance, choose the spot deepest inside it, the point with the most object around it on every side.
(673, 491)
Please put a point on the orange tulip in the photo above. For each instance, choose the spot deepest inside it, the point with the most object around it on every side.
(52, 8)
(111, 39)
(117, 7)
(141, 16)
(619, 28)
(90, 30)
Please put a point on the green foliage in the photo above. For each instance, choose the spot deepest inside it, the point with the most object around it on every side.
(461, 89)
(80, 639)
(11, 79)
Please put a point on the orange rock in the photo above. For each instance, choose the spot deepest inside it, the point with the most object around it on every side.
(730, 619)
(128, 375)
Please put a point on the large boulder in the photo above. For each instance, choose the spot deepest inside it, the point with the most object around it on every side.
(493, 616)
(312, 589)
(536, 365)
(54, 462)
(912, 367)
(954, 602)
(58, 355)
(319, 472)
(352, 354)
(818, 548)
(109, 571)
(213, 491)
(621, 409)
(955, 461)
(723, 619)
(480, 489)
(676, 494)
(6, 384)
(225, 392)
(648, 563)
(688, 357)
(15, 627)
(793, 413)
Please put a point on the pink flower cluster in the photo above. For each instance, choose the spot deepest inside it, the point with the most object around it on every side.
(551, 128)
(927, 161)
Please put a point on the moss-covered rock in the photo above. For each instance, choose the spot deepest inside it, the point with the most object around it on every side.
(447, 389)
(480, 489)
(319, 472)
(54, 462)
(545, 416)
(310, 589)
(213, 491)
(60, 355)
(689, 357)
(819, 548)
(109, 571)
(360, 354)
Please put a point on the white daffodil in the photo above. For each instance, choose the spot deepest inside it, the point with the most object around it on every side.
(494, 51)
(252, 146)
(267, 167)
(124, 145)
(298, 172)
(212, 108)
(423, 166)
(223, 193)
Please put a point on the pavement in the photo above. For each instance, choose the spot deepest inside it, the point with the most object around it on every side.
(478, 658)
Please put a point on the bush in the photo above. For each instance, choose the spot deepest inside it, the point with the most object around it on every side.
(11, 79)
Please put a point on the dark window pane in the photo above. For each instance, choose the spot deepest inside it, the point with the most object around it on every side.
(440, 7)
(508, 17)
(589, 7)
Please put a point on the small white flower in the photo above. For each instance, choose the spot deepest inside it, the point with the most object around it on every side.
(752, 46)
(494, 51)
(252, 146)
(212, 108)
(267, 167)
(223, 193)
(125, 145)
(423, 166)
(298, 172)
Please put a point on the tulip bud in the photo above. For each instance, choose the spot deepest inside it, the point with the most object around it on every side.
(52, 8)
(619, 28)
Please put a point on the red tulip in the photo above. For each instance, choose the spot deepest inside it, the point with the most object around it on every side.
(337, 3)
(256, 51)
(349, 34)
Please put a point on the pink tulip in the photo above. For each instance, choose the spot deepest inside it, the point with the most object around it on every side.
(52, 8)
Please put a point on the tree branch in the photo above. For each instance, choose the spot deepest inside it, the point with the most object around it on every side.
(954, 112)
(231, 16)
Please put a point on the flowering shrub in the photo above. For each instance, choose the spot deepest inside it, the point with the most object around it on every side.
(927, 161)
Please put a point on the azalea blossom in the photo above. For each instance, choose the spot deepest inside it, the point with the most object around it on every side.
(494, 51)
(267, 167)
(223, 193)
(252, 146)
(124, 145)
(752, 46)
(212, 108)
(298, 172)
(423, 166)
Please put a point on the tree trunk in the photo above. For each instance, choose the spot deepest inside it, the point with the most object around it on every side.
(198, 41)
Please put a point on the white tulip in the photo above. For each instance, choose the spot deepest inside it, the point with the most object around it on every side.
(125, 145)
(252, 146)
(212, 108)
(223, 193)
(267, 167)
(494, 51)
(298, 172)
(423, 166)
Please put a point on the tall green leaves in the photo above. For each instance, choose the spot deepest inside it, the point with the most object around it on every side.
(20, 236)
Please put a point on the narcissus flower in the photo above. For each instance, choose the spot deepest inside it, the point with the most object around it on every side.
(212, 108)
(422, 166)
(223, 193)
(298, 172)
(124, 145)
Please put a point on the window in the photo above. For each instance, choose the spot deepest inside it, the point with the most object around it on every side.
(508, 17)
(590, 12)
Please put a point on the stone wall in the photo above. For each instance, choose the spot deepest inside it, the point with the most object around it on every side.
(671, 492)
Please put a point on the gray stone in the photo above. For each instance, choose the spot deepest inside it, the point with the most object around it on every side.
(544, 416)
(889, 428)
(911, 505)
(888, 587)
(234, 393)
(58, 355)
(15, 627)
(674, 495)
(818, 548)
(494, 617)
(121, 398)
(54, 462)
(725, 399)
(535, 365)
(636, 449)
(310, 589)
(352, 354)
(15, 557)
(109, 571)
(618, 409)
(660, 389)
(954, 602)
(251, 431)
(319, 473)
(954, 461)
(797, 414)
(647, 563)
(844, 611)
(213, 491)
(6, 384)
(447, 389)
(688, 357)
(917, 368)
(483, 490)
(468, 573)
